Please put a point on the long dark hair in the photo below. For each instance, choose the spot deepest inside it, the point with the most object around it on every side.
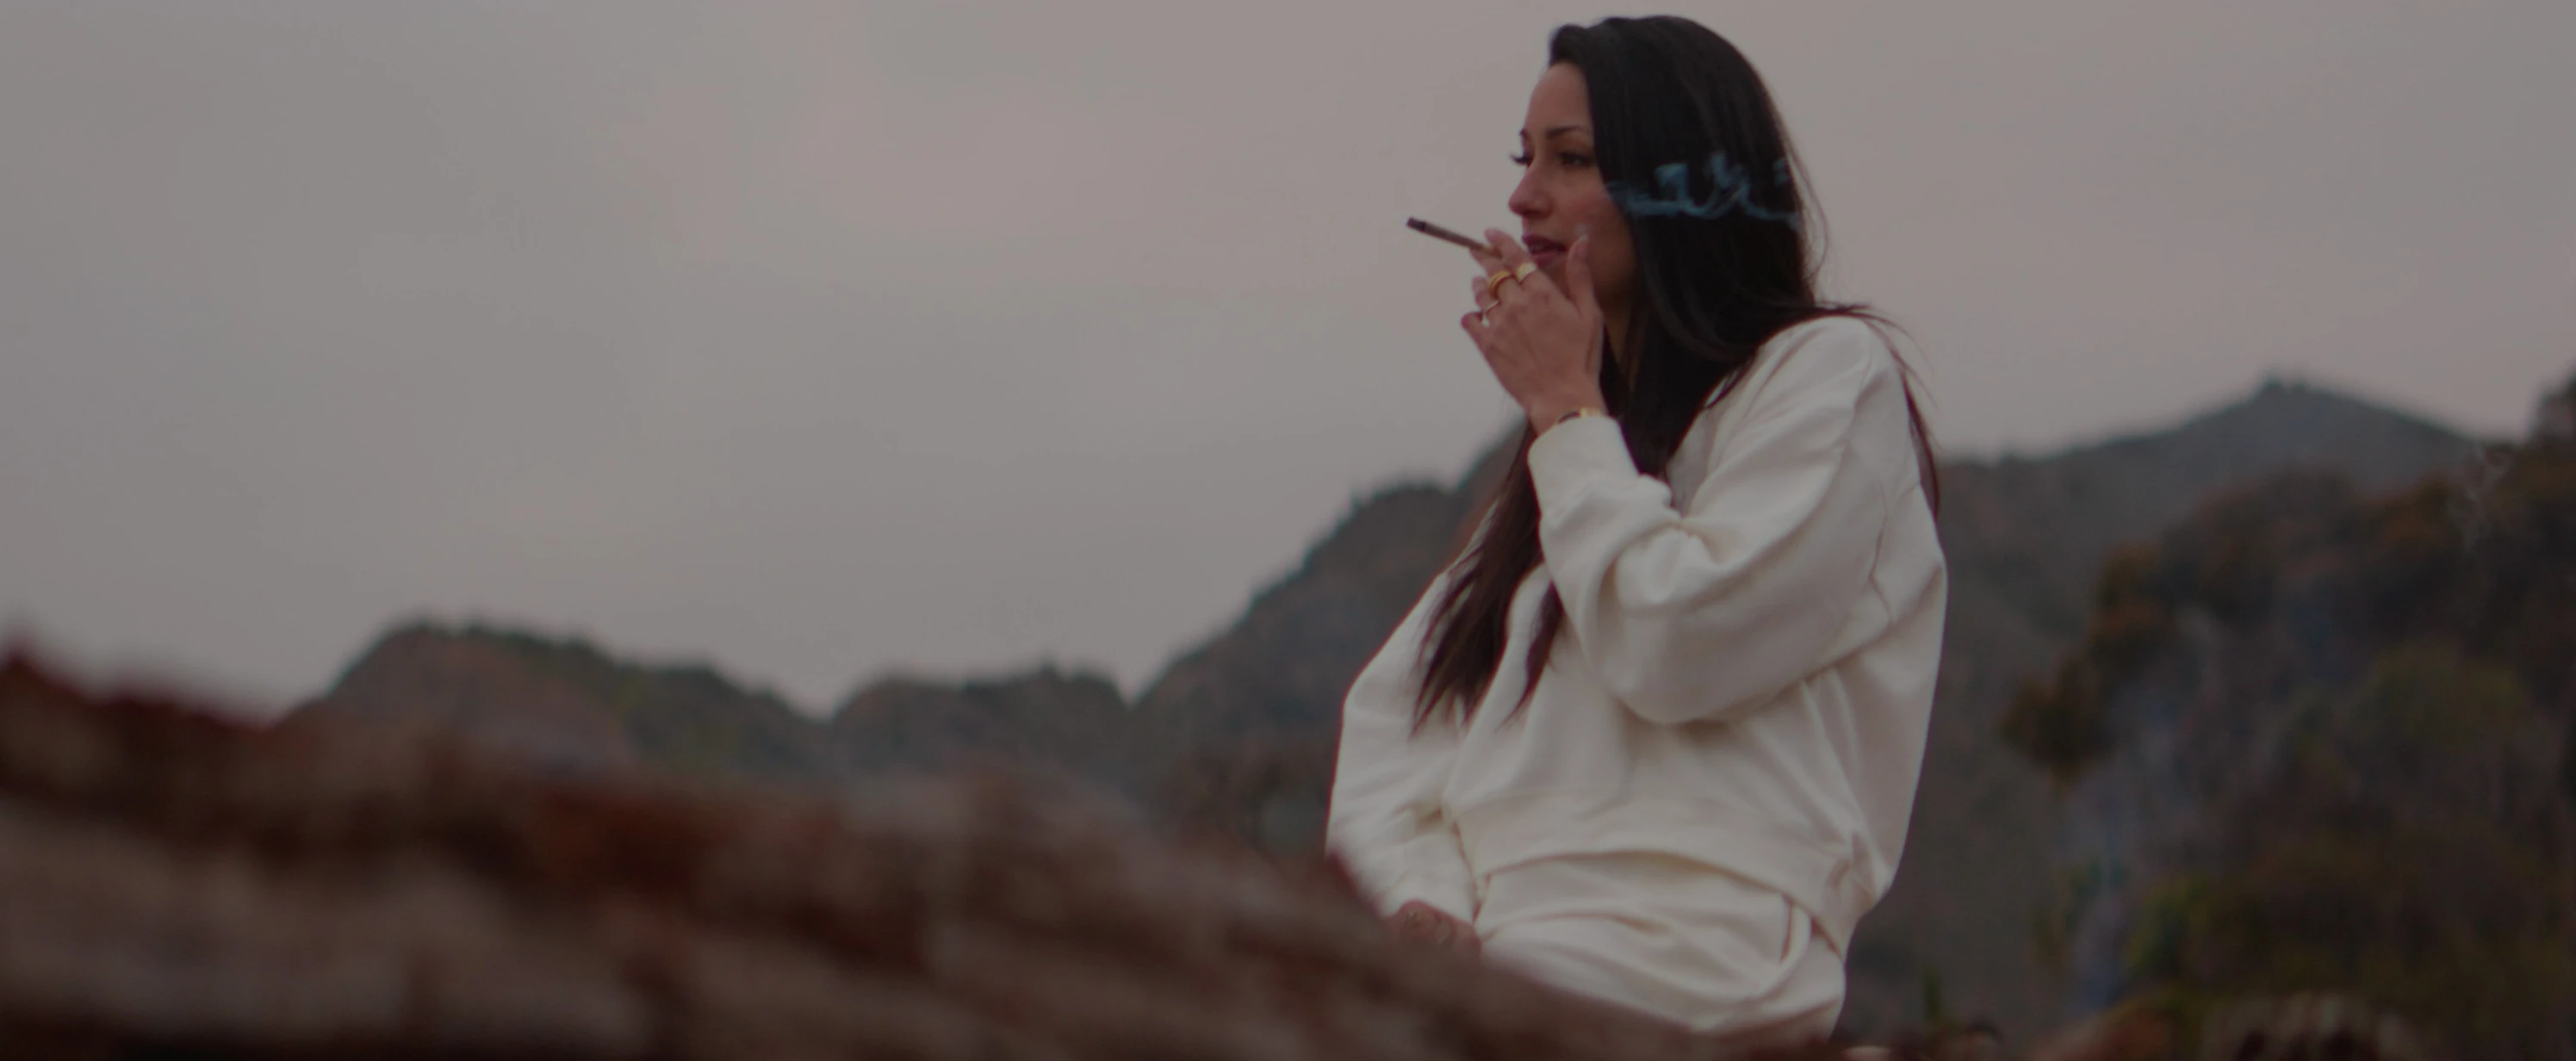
(1714, 283)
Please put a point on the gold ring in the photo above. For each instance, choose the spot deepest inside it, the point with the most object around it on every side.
(1494, 283)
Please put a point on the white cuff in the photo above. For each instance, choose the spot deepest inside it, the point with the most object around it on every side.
(1580, 451)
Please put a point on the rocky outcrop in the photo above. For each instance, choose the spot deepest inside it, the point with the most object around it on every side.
(172, 884)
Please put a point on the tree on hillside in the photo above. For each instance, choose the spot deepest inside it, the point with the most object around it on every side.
(2408, 845)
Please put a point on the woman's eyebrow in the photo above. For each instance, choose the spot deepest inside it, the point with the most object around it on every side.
(1557, 131)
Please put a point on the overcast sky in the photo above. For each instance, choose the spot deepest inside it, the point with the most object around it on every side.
(825, 339)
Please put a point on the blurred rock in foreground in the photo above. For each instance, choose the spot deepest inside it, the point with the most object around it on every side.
(176, 885)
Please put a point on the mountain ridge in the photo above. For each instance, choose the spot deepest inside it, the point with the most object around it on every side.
(1236, 734)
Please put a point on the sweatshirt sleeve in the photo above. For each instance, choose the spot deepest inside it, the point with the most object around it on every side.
(1386, 822)
(1691, 615)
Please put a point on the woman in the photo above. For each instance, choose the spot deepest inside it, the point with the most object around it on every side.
(1654, 736)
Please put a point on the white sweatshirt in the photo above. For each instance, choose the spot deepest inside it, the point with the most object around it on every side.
(1742, 687)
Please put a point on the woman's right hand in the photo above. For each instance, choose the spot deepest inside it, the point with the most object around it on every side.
(1420, 922)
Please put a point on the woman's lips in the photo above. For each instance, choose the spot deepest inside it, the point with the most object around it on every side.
(1546, 252)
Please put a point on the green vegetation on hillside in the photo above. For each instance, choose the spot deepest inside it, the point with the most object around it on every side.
(2363, 779)
(1237, 736)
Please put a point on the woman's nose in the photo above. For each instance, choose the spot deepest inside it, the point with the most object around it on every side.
(1527, 200)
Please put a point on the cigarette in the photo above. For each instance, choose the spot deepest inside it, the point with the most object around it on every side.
(1437, 232)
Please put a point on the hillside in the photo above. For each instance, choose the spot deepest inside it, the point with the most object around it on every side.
(564, 704)
(1237, 735)
(572, 706)
(1046, 720)
(1250, 717)
(2318, 737)
(2035, 530)
(2026, 539)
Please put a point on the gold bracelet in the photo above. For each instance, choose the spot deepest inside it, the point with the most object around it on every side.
(1580, 411)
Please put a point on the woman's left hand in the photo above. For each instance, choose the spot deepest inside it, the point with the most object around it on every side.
(1421, 922)
(1542, 341)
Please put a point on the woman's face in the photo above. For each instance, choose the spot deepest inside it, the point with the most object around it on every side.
(1561, 194)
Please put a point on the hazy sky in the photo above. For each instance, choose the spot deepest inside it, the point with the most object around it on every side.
(823, 339)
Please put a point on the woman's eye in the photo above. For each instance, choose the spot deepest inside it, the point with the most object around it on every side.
(1521, 159)
(1571, 160)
